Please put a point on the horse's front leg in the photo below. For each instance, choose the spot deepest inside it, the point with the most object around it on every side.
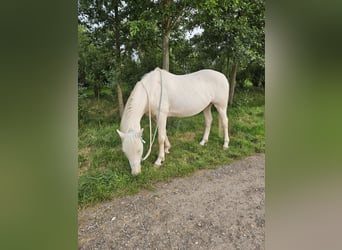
(161, 140)
(167, 145)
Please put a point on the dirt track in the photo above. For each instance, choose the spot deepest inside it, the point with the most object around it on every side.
(212, 209)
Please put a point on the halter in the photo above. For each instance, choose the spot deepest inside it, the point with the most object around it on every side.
(133, 132)
(149, 113)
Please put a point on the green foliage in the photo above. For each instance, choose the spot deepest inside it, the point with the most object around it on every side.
(104, 172)
(93, 61)
(232, 32)
(82, 109)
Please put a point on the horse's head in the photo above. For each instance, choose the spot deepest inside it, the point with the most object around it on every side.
(132, 146)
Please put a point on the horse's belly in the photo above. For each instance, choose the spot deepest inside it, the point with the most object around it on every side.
(187, 107)
(183, 114)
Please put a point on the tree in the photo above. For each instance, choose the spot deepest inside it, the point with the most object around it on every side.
(172, 14)
(93, 61)
(233, 35)
(117, 26)
(232, 83)
(164, 18)
(102, 18)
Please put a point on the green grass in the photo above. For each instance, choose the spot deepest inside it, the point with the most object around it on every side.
(104, 172)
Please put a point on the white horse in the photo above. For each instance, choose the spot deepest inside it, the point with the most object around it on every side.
(163, 94)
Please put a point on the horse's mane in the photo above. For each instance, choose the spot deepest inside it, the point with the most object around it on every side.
(133, 100)
(128, 111)
(130, 107)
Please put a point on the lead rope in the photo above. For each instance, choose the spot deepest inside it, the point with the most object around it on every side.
(149, 114)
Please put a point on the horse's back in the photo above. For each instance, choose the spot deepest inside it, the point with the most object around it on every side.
(191, 93)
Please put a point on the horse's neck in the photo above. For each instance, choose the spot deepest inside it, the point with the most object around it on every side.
(135, 108)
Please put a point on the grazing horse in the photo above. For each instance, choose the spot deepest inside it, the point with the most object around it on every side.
(162, 94)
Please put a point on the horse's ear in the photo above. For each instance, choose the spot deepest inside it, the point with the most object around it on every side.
(141, 132)
(120, 134)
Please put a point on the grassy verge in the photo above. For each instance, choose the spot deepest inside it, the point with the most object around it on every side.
(104, 171)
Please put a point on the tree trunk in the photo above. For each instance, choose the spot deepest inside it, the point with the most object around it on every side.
(227, 68)
(118, 59)
(232, 84)
(166, 50)
(166, 31)
(120, 99)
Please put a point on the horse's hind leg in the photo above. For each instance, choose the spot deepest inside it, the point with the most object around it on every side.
(224, 119)
(208, 119)
(167, 145)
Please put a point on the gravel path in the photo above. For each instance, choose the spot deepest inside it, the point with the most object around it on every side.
(212, 209)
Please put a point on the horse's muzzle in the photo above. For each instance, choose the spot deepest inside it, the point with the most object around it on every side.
(136, 169)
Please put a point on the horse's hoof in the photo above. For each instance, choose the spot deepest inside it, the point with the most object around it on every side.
(225, 147)
(202, 143)
(157, 163)
(167, 151)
